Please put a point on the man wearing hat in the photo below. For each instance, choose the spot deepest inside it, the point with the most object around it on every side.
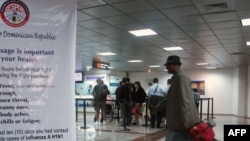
(181, 111)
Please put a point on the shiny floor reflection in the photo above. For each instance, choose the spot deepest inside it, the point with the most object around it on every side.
(113, 131)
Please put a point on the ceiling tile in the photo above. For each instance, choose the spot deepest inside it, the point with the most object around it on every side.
(242, 4)
(227, 24)
(119, 20)
(148, 16)
(218, 17)
(188, 20)
(208, 33)
(180, 11)
(195, 27)
(134, 6)
(93, 24)
(102, 11)
(158, 23)
(162, 4)
(227, 31)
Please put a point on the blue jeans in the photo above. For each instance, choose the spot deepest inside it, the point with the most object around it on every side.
(176, 136)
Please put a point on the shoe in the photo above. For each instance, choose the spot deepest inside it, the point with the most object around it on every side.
(96, 122)
(135, 123)
(104, 122)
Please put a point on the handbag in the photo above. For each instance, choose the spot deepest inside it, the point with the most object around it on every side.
(154, 99)
(201, 131)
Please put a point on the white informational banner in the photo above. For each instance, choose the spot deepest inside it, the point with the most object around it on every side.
(37, 66)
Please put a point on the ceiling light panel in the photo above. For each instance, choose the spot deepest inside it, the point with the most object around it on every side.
(210, 67)
(106, 53)
(135, 61)
(245, 22)
(172, 48)
(248, 43)
(154, 66)
(143, 32)
(201, 64)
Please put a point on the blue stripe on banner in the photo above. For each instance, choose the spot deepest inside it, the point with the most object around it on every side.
(94, 77)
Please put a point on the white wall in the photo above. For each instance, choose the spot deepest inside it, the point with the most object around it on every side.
(145, 77)
(229, 87)
(242, 94)
(248, 93)
(219, 84)
(235, 91)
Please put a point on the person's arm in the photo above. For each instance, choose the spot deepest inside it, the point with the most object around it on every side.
(185, 95)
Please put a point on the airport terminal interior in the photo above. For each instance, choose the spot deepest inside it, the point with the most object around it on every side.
(114, 131)
(209, 35)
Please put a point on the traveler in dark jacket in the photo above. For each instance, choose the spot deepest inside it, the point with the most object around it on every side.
(125, 93)
(138, 97)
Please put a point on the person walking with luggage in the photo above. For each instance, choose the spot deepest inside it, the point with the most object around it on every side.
(181, 111)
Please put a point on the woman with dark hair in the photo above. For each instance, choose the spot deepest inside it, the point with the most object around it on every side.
(138, 97)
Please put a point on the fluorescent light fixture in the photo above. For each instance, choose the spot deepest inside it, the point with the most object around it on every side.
(135, 61)
(245, 22)
(210, 67)
(154, 66)
(172, 48)
(248, 43)
(88, 68)
(143, 32)
(201, 64)
(106, 53)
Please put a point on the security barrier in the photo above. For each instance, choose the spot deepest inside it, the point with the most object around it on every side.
(210, 107)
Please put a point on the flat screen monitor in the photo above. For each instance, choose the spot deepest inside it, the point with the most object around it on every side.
(79, 77)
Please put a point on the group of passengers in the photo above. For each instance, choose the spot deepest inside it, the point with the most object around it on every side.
(131, 96)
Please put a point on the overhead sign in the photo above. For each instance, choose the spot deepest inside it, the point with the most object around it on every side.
(100, 65)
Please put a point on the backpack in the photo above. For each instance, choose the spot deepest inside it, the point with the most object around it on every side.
(202, 131)
(100, 92)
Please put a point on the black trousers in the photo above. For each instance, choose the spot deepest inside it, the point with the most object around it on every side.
(156, 118)
(127, 115)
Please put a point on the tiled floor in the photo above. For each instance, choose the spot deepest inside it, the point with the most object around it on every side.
(112, 131)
